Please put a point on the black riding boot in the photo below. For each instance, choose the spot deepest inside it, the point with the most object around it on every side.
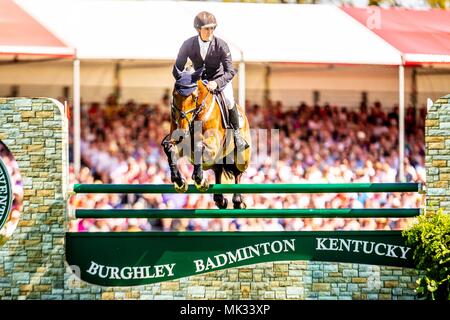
(240, 142)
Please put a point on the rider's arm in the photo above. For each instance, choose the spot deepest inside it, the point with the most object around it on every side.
(228, 69)
(181, 59)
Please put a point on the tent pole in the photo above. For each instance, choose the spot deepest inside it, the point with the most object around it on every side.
(267, 75)
(401, 130)
(117, 86)
(242, 81)
(76, 117)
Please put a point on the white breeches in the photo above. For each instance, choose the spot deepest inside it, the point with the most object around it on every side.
(228, 92)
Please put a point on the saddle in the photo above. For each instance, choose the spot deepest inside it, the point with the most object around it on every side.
(223, 103)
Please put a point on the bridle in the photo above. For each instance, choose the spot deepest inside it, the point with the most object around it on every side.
(196, 111)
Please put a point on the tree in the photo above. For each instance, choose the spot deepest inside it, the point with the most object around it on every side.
(429, 238)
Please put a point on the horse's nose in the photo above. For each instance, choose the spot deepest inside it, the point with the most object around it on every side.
(178, 136)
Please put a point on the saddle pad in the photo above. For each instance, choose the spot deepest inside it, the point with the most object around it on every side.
(223, 109)
(225, 113)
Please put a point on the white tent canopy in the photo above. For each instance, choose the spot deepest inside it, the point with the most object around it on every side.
(154, 30)
(263, 32)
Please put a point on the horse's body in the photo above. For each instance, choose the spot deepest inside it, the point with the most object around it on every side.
(197, 131)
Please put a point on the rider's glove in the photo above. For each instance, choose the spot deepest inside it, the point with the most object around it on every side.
(212, 85)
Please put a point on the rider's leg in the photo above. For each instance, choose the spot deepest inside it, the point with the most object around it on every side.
(240, 142)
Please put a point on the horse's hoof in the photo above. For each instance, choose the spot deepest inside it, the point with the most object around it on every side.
(203, 186)
(239, 205)
(181, 188)
(222, 205)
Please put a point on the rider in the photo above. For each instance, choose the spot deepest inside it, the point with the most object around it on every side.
(212, 53)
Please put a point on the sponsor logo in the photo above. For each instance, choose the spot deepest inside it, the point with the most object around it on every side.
(6, 194)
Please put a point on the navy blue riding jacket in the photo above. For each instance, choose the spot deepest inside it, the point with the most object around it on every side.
(218, 64)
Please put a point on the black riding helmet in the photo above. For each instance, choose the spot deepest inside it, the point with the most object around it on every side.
(205, 19)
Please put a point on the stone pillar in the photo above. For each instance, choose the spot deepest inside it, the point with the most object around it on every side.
(437, 155)
(32, 260)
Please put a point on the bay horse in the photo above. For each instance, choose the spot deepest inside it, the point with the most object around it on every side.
(197, 131)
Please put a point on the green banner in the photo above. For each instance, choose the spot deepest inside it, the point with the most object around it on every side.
(127, 259)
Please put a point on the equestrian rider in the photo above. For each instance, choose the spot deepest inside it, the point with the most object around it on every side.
(213, 54)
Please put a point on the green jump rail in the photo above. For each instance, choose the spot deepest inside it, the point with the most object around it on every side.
(245, 213)
(253, 188)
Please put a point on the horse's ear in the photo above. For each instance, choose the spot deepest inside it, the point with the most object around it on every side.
(176, 72)
(197, 74)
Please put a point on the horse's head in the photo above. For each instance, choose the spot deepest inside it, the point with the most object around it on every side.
(188, 94)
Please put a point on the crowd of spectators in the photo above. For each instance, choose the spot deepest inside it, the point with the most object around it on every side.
(317, 144)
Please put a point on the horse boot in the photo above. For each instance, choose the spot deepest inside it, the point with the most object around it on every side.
(239, 142)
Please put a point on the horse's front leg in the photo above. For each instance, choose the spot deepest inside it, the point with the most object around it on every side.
(170, 150)
(238, 199)
(219, 199)
(201, 183)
